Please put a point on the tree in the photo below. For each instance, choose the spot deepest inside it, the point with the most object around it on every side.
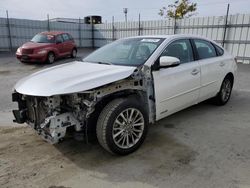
(180, 9)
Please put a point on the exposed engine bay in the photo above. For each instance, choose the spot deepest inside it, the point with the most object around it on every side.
(51, 116)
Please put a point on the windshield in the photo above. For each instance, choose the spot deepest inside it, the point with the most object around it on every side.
(130, 52)
(42, 38)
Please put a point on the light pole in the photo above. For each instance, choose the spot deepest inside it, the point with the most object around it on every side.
(125, 11)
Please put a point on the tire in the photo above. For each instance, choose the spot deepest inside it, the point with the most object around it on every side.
(51, 58)
(73, 53)
(225, 91)
(112, 136)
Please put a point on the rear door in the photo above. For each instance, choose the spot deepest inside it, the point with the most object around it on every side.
(211, 68)
(178, 87)
(67, 43)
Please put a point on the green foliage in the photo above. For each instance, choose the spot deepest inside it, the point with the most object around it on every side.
(180, 9)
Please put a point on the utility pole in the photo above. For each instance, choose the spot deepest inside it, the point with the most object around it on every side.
(48, 22)
(175, 22)
(125, 11)
(226, 25)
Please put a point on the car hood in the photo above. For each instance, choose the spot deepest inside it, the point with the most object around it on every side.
(71, 78)
(31, 45)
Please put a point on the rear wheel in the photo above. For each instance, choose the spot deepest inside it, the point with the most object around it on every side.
(51, 58)
(225, 91)
(122, 126)
(73, 53)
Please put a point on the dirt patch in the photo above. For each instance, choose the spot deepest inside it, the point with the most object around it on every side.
(27, 161)
(5, 72)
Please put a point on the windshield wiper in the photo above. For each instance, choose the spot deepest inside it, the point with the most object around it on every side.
(106, 63)
(98, 62)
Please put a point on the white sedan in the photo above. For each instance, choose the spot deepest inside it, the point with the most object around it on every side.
(118, 90)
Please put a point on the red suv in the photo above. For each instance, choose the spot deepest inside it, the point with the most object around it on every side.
(47, 47)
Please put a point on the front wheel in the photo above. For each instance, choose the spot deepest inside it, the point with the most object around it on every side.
(122, 126)
(225, 91)
(51, 58)
(73, 53)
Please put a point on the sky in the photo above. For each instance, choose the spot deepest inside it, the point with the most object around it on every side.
(38, 9)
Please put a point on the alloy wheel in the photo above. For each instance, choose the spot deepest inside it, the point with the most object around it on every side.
(226, 90)
(128, 128)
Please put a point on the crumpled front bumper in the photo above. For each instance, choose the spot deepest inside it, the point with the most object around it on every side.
(51, 128)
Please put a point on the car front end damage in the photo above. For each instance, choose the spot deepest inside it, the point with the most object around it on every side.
(51, 116)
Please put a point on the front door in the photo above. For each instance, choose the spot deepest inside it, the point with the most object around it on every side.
(178, 87)
(67, 44)
(60, 45)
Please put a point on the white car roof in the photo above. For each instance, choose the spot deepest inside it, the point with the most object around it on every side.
(176, 36)
(170, 36)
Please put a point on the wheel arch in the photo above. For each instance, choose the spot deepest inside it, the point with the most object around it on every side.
(138, 94)
(52, 51)
(99, 106)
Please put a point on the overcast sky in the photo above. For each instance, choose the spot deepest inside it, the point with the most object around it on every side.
(38, 9)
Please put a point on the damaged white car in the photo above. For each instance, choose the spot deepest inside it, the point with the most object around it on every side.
(121, 88)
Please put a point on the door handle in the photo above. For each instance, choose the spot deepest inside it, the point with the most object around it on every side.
(195, 71)
(222, 64)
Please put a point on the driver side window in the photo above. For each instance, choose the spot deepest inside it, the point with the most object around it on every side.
(59, 39)
(180, 49)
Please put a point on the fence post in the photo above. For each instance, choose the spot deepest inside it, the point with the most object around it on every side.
(48, 26)
(139, 25)
(225, 28)
(9, 32)
(113, 28)
(92, 32)
(79, 32)
(174, 25)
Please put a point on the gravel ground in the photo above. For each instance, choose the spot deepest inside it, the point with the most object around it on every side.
(200, 147)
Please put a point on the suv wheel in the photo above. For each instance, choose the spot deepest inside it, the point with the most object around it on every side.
(51, 58)
(122, 126)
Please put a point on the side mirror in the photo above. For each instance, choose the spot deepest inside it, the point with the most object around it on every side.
(169, 61)
(58, 42)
